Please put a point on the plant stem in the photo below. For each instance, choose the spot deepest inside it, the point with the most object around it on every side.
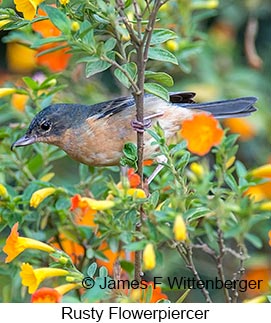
(219, 262)
(186, 252)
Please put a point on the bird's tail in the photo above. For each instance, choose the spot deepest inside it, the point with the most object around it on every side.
(234, 108)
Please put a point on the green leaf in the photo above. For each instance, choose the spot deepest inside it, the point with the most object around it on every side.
(103, 272)
(92, 269)
(130, 151)
(162, 55)
(182, 298)
(162, 35)
(110, 44)
(196, 213)
(240, 169)
(158, 90)
(134, 246)
(127, 266)
(231, 182)
(33, 85)
(148, 294)
(254, 240)
(43, 41)
(160, 77)
(50, 50)
(59, 19)
(93, 68)
(131, 69)
(87, 33)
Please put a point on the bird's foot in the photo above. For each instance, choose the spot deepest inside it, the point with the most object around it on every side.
(142, 126)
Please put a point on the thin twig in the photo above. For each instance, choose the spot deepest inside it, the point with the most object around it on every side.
(238, 274)
(186, 252)
(115, 64)
(219, 261)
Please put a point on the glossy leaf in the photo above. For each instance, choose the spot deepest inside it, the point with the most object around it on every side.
(160, 77)
(131, 69)
(157, 90)
(162, 55)
(59, 19)
(162, 35)
(93, 68)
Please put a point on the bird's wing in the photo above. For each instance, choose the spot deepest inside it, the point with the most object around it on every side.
(108, 108)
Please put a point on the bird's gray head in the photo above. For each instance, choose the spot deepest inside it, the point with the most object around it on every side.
(50, 124)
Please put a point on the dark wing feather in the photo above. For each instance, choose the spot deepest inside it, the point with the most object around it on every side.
(182, 97)
(104, 109)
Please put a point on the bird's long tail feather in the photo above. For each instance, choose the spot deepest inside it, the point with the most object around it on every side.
(234, 108)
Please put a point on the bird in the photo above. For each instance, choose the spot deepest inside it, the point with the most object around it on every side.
(95, 134)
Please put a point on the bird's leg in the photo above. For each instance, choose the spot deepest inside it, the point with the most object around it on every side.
(161, 160)
(142, 126)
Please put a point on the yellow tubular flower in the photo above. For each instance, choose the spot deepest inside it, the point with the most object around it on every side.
(98, 205)
(149, 260)
(197, 169)
(38, 196)
(47, 177)
(15, 245)
(63, 289)
(64, 2)
(6, 91)
(266, 206)
(230, 162)
(27, 7)
(137, 193)
(179, 229)
(3, 191)
(262, 171)
(33, 277)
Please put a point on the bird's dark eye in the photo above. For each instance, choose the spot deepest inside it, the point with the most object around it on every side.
(46, 125)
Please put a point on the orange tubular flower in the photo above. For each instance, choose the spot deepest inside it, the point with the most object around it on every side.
(202, 132)
(33, 277)
(84, 215)
(16, 245)
(46, 295)
(133, 178)
(58, 60)
(263, 171)
(19, 101)
(52, 295)
(259, 191)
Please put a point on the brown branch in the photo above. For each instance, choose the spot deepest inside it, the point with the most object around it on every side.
(219, 261)
(254, 60)
(239, 273)
(186, 252)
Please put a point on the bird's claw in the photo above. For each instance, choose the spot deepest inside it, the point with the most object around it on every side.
(142, 126)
